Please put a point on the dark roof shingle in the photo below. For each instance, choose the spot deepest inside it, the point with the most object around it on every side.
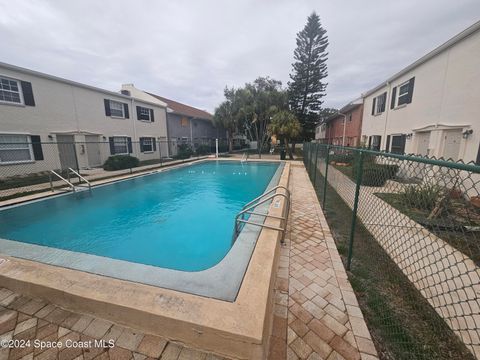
(183, 109)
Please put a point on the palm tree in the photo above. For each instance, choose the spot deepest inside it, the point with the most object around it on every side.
(285, 126)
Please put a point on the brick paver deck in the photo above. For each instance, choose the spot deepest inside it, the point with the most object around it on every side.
(23, 318)
(314, 296)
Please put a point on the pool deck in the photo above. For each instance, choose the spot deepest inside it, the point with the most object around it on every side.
(315, 315)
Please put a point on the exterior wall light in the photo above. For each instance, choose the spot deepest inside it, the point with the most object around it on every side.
(409, 136)
(467, 133)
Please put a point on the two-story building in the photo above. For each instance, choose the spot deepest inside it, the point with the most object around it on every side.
(185, 124)
(343, 128)
(47, 122)
(432, 106)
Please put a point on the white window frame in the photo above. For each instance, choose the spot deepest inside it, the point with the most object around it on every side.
(150, 139)
(28, 146)
(398, 95)
(117, 138)
(112, 102)
(20, 92)
(147, 114)
(377, 103)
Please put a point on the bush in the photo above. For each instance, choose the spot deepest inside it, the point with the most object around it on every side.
(184, 151)
(342, 158)
(377, 174)
(120, 162)
(202, 150)
(424, 196)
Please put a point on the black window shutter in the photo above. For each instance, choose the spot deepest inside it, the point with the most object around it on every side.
(478, 155)
(394, 95)
(27, 93)
(138, 113)
(154, 142)
(142, 142)
(125, 110)
(411, 84)
(373, 105)
(36, 147)
(129, 140)
(384, 96)
(107, 108)
(112, 146)
(152, 118)
(387, 145)
(369, 142)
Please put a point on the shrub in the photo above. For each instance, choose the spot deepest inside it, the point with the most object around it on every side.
(184, 151)
(202, 150)
(423, 197)
(119, 162)
(342, 158)
(377, 174)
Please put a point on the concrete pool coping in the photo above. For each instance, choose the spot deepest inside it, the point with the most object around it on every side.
(238, 329)
(222, 281)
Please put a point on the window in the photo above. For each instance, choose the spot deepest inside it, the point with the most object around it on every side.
(10, 91)
(183, 122)
(116, 109)
(398, 144)
(147, 144)
(120, 145)
(374, 142)
(378, 105)
(15, 149)
(402, 94)
(144, 114)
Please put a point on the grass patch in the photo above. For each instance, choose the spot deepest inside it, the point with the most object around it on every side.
(452, 226)
(402, 322)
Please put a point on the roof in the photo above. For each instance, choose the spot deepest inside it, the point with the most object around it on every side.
(70, 82)
(183, 109)
(456, 39)
(347, 108)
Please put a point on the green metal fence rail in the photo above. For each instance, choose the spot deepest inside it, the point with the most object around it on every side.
(408, 230)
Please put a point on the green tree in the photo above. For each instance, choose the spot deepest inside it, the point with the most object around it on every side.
(225, 115)
(307, 86)
(285, 126)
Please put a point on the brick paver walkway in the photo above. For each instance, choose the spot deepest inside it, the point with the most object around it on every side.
(324, 319)
(23, 319)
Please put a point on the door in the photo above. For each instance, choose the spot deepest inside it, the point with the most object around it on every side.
(93, 150)
(423, 140)
(66, 152)
(451, 144)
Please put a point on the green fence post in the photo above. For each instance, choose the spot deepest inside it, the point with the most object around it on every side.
(315, 166)
(327, 160)
(355, 207)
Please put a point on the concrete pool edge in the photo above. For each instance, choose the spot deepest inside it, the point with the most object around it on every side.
(221, 281)
(239, 329)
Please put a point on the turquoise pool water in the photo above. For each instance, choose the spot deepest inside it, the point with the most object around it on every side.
(179, 219)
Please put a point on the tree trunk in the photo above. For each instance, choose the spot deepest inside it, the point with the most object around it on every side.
(293, 148)
(289, 149)
(230, 141)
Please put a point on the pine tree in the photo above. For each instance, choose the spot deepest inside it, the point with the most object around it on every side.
(307, 87)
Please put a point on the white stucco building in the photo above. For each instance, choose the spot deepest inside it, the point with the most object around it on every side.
(42, 115)
(432, 107)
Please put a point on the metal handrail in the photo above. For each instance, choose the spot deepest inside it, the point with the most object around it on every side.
(266, 193)
(249, 209)
(81, 177)
(61, 178)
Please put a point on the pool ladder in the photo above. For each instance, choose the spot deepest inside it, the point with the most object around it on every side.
(68, 182)
(249, 209)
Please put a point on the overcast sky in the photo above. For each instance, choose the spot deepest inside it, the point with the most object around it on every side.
(189, 50)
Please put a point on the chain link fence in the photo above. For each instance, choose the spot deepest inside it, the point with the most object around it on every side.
(26, 167)
(408, 230)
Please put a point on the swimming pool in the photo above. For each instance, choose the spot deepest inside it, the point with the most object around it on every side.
(155, 229)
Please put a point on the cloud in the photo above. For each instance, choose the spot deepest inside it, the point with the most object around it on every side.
(190, 50)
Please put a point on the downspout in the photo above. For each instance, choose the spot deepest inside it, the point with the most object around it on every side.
(387, 108)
